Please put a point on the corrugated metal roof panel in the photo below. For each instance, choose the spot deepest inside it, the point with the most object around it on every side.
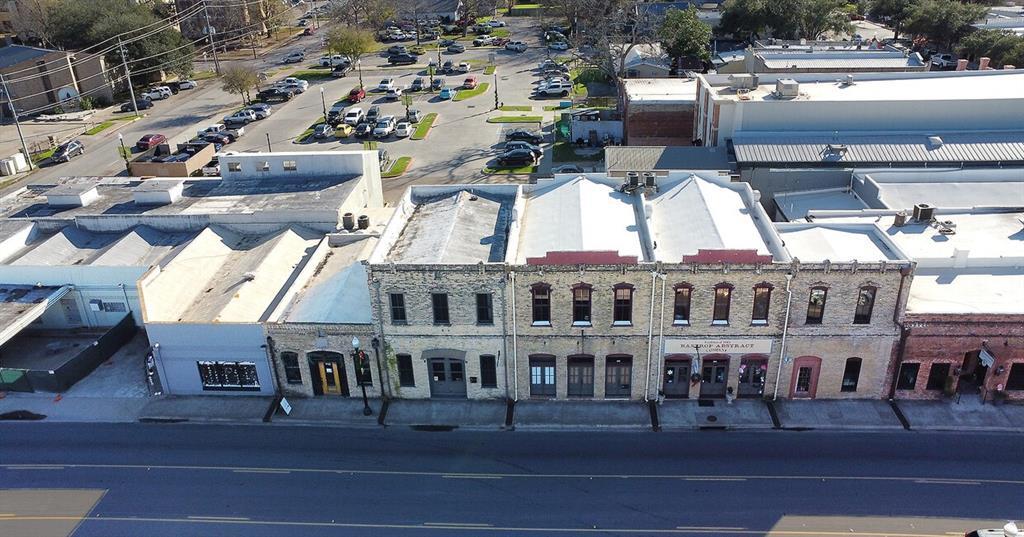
(956, 147)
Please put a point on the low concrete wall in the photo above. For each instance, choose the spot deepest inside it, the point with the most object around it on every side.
(172, 169)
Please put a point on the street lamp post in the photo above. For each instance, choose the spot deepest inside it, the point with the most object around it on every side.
(323, 102)
(361, 374)
(359, 64)
(124, 153)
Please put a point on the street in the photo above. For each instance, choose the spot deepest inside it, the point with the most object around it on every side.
(178, 480)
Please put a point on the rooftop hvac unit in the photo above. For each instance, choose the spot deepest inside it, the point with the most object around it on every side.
(787, 87)
(649, 180)
(923, 212)
(632, 179)
(742, 81)
(900, 220)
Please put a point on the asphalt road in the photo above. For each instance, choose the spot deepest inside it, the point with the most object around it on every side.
(183, 480)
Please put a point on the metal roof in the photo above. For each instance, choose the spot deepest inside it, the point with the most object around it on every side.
(11, 55)
(841, 60)
(879, 148)
(621, 159)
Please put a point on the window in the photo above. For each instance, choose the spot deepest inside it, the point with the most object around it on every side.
(762, 300)
(816, 305)
(1016, 379)
(406, 379)
(228, 376)
(851, 375)
(289, 165)
(723, 295)
(908, 376)
(362, 365)
(937, 376)
(541, 304)
(488, 371)
(681, 305)
(114, 307)
(398, 308)
(484, 309)
(291, 367)
(264, 166)
(581, 305)
(440, 304)
(234, 166)
(623, 308)
(865, 303)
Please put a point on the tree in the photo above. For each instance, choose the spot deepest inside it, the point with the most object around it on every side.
(239, 80)
(743, 19)
(819, 17)
(365, 13)
(943, 21)
(893, 11)
(784, 19)
(999, 46)
(32, 21)
(682, 34)
(352, 42)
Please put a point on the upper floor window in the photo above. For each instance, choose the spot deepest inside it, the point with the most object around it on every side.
(292, 372)
(865, 303)
(681, 304)
(397, 307)
(581, 304)
(290, 165)
(723, 296)
(439, 301)
(816, 305)
(484, 309)
(623, 307)
(541, 304)
(762, 301)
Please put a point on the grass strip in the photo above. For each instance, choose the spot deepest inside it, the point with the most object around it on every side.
(99, 128)
(306, 134)
(496, 169)
(39, 157)
(564, 152)
(489, 70)
(469, 94)
(423, 127)
(515, 119)
(398, 168)
(310, 74)
(554, 107)
(204, 75)
(515, 108)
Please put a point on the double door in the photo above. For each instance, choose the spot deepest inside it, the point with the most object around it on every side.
(542, 377)
(676, 384)
(447, 378)
(581, 376)
(713, 377)
(618, 380)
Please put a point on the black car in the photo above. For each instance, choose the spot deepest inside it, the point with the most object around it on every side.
(395, 50)
(512, 145)
(217, 138)
(372, 114)
(446, 42)
(524, 136)
(364, 130)
(517, 157)
(437, 84)
(141, 104)
(66, 151)
(418, 84)
(446, 67)
(399, 59)
(275, 94)
(341, 70)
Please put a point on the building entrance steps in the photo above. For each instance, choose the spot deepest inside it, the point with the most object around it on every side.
(206, 408)
(690, 414)
(329, 411)
(837, 414)
(590, 414)
(966, 416)
(447, 413)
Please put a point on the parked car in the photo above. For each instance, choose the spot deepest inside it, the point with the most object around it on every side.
(154, 95)
(297, 85)
(336, 112)
(418, 84)
(217, 138)
(517, 157)
(261, 110)
(551, 64)
(397, 49)
(943, 61)
(394, 93)
(354, 116)
(373, 114)
(403, 129)
(446, 42)
(141, 104)
(437, 83)
(1010, 529)
(356, 95)
(386, 84)
(414, 115)
(323, 130)
(402, 59)
(555, 87)
(567, 168)
(331, 61)
(481, 29)
(364, 130)
(275, 94)
(499, 41)
(150, 141)
(385, 126)
(212, 169)
(456, 48)
(469, 83)
(524, 135)
(516, 46)
(66, 151)
(186, 84)
(519, 144)
(559, 45)
(343, 131)
(241, 117)
(447, 67)
(295, 57)
(494, 23)
(448, 93)
(463, 67)
(482, 41)
(341, 70)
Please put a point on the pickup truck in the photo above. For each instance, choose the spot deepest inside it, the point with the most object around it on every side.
(943, 61)
(241, 117)
(215, 128)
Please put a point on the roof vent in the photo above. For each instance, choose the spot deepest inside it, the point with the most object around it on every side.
(158, 191)
(787, 88)
(848, 81)
(837, 149)
(742, 81)
(72, 195)
(935, 142)
(632, 179)
(649, 180)
(923, 212)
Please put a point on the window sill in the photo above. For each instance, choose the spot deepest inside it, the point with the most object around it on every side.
(581, 323)
(719, 323)
(485, 324)
(680, 323)
(541, 323)
(622, 323)
(442, 324)
(758, 323)
(400, 323)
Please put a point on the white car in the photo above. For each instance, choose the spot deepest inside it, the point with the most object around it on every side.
(385, 126)
(559, 45)
(353, 116)
(463, 67)
(394, 93)
(403, 129)
(331, 61)
(297, 84)
(156, 93)
(295, 57)
(496, 23)
(558, 87)
(187, 84)
(386, 84)
(516, 46)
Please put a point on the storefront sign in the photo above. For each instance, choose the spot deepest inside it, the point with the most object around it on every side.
(718, 346)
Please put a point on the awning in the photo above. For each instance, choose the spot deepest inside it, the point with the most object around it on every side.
(986, 358)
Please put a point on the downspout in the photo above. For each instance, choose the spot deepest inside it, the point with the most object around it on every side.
(904, 334)
(785, 332)
(661, 329)
(515, 343)
(650, 338)
(504, 330)
(273, 366)
(380, 329)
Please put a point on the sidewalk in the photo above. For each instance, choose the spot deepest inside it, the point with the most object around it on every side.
(965, 416)
(611, 415)
(206, 408)
(689, 414)
(837, 415)
(450, 414)
(329, 411)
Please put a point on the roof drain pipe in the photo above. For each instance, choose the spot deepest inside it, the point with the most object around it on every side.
(661, 332)
(650, 338)
(515, 342)
(785, 331)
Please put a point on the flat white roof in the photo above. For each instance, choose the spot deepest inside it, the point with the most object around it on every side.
(839, 243)
(796, 205)
(695, 214)
(970, 187)
(660, 90)
(967, 291)
(840, 59)
(338, 293)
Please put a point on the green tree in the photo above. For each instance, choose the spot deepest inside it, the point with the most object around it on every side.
(743, 19)
(682, 35)
(820, 17)
(352, 42)
(997, 45)
(943, 21)
(895, 12)
(784, 19)
(238, 80)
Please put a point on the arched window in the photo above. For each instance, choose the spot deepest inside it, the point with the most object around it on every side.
(816, 305)
(581, 304)
(851, 375)
(541, 304)
(865, 303)
(723, 298)
(762, 301)
(681, 304)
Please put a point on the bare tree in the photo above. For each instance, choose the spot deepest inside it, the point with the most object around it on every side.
(610, 30)
(32, 21)
(240, 81)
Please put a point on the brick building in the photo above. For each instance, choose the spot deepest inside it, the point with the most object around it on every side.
(41, 79)
(658, 111)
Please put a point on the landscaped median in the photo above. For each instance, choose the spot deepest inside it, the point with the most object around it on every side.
(462, 95)
(515, 108)
(306, 134)
(310, 75)
(397, 168)
(99, 128)
(489, 70)
(423, 127)
(498, 169)
(515, 119)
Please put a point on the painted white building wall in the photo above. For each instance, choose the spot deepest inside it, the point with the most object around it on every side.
(179, 347)
(109, 286)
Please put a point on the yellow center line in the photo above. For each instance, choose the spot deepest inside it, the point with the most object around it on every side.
(719, 528)
(7, 514)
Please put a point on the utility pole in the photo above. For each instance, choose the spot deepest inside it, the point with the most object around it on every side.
(496, 105)
(10, 102)
(209, 34)
(128, 76)
(252, 43)
(269, 149)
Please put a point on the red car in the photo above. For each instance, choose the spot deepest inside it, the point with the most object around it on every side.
(356, 95)
(150, 141)
(469, 83)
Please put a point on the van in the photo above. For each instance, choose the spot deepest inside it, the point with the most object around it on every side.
(164, 91)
